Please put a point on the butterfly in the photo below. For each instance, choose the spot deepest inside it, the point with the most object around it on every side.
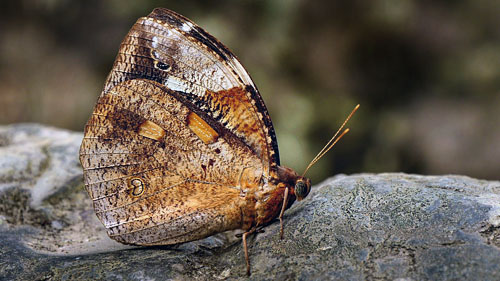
(180, 145)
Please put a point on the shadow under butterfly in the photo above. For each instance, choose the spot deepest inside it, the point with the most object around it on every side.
(180, 145)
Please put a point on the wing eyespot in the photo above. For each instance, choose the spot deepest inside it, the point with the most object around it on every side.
(137, 187)
(162, 66)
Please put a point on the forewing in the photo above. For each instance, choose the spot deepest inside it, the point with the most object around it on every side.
(170, 49)
(152, 178)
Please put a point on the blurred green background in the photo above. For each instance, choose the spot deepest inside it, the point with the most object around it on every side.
(426, 73)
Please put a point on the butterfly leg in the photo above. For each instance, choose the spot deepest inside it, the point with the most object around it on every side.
(285, 202)
(245, 248)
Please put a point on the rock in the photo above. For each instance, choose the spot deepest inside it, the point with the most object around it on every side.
(358, 227)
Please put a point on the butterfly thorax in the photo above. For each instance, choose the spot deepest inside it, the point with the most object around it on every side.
(270, 199)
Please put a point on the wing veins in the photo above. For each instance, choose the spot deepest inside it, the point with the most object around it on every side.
(141, 198)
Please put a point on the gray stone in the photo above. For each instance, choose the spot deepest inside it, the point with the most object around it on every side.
(358, 227)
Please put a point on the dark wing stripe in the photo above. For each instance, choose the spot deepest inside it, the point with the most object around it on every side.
(261, 107)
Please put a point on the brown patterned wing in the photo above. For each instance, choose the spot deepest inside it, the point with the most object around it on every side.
(157, 172)
(170, 49)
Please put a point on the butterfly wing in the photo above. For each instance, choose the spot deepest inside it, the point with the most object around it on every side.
(178, 137)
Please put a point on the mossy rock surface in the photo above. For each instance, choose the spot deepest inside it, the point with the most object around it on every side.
(357, 227)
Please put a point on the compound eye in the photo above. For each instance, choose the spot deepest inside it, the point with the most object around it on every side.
(301, 189)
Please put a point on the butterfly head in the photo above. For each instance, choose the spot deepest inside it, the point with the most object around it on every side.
(299, 186)
(302, 187)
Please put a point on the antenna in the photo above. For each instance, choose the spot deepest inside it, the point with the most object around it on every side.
(332, 142)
